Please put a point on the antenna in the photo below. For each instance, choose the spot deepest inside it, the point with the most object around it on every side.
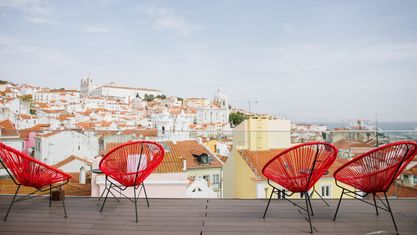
(376, 130)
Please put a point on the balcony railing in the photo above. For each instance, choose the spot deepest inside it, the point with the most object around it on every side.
(231, 169)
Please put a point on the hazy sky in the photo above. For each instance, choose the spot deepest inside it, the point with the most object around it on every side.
(308, 60)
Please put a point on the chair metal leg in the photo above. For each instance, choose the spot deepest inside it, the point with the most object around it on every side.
(307, 198)
(321, 197)
(11, 204)
(136, 207)
(311, 208)
(390, 211)
(102, 193)
(269, 201)
(376, 208)
(146, 195)
(63, 203)
(338, 205)
(105, 199)
(50, 195)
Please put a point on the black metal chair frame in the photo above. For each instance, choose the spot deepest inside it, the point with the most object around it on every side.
(136, 195)
(31, 195)
(386, 207)
(307, 196)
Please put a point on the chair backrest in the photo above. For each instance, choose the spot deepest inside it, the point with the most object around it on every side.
(376, 170)
(300, 167)
(28, 171)
(130, 163)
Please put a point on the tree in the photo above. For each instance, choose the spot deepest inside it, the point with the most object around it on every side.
(149, 97)
(236, 118)
(162, 97)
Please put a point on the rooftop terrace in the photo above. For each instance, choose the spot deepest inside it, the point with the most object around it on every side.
(201, 216)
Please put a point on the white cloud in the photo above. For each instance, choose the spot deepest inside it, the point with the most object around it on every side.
(166, 19)
(95, 29)
(41, 20)
(35, 11)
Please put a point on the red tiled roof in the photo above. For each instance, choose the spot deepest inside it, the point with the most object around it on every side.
(70, 159)
(85, 125)
(344, 144)
(190, 147)
(402, 191)
(8, 129)
(257, 159)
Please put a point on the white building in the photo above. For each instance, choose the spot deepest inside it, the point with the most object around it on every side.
(53, 147)
(215, 112)
(87, 88)
(67, 96)
(172, 127)
(199, 189)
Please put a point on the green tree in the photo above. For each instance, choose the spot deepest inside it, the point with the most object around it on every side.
(161, 97)
(236, 118)
(149, 97)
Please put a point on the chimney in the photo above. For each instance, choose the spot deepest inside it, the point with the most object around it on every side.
(184, 165)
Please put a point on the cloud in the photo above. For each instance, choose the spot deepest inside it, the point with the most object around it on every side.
(166, 19)
(96, 29)
(35, 11)
(41, 20)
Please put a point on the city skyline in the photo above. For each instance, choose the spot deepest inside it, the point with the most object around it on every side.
(309, 61)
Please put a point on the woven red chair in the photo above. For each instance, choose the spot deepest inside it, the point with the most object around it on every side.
(374, 172)
(297, 169)
(128, 165)
(30, 172)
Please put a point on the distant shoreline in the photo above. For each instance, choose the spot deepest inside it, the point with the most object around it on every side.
(404, 126)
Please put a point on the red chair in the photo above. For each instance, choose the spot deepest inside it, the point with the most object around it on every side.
(297, 169)
(374, 172)
(129, 164)
(28, 171)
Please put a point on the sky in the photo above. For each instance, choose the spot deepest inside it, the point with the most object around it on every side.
(303, 60)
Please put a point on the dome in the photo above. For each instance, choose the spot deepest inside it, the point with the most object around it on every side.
(220, 96)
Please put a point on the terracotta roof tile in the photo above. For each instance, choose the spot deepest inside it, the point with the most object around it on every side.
(190, 147)
(70, 159)
(257, 159)
(8, 129)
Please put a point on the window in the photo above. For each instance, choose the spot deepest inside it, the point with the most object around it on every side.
(216, 179)
(207, 178)
(325, 191)
(415, 179)
(405, 177)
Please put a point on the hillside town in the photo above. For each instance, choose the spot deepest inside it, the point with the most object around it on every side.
(206, 155)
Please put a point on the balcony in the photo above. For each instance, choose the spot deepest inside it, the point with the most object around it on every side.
(201, 216)
(236, 207)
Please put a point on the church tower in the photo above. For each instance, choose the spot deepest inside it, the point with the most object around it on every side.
(86, 86)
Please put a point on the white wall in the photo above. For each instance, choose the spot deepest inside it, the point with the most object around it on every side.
(57, 147)
(164, 185)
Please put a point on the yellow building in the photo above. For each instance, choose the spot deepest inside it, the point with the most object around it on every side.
(254, 134)
(255, 142)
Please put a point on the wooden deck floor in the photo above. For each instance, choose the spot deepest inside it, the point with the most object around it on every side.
(200, 216)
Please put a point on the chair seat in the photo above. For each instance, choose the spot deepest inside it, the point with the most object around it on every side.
(41, 182)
